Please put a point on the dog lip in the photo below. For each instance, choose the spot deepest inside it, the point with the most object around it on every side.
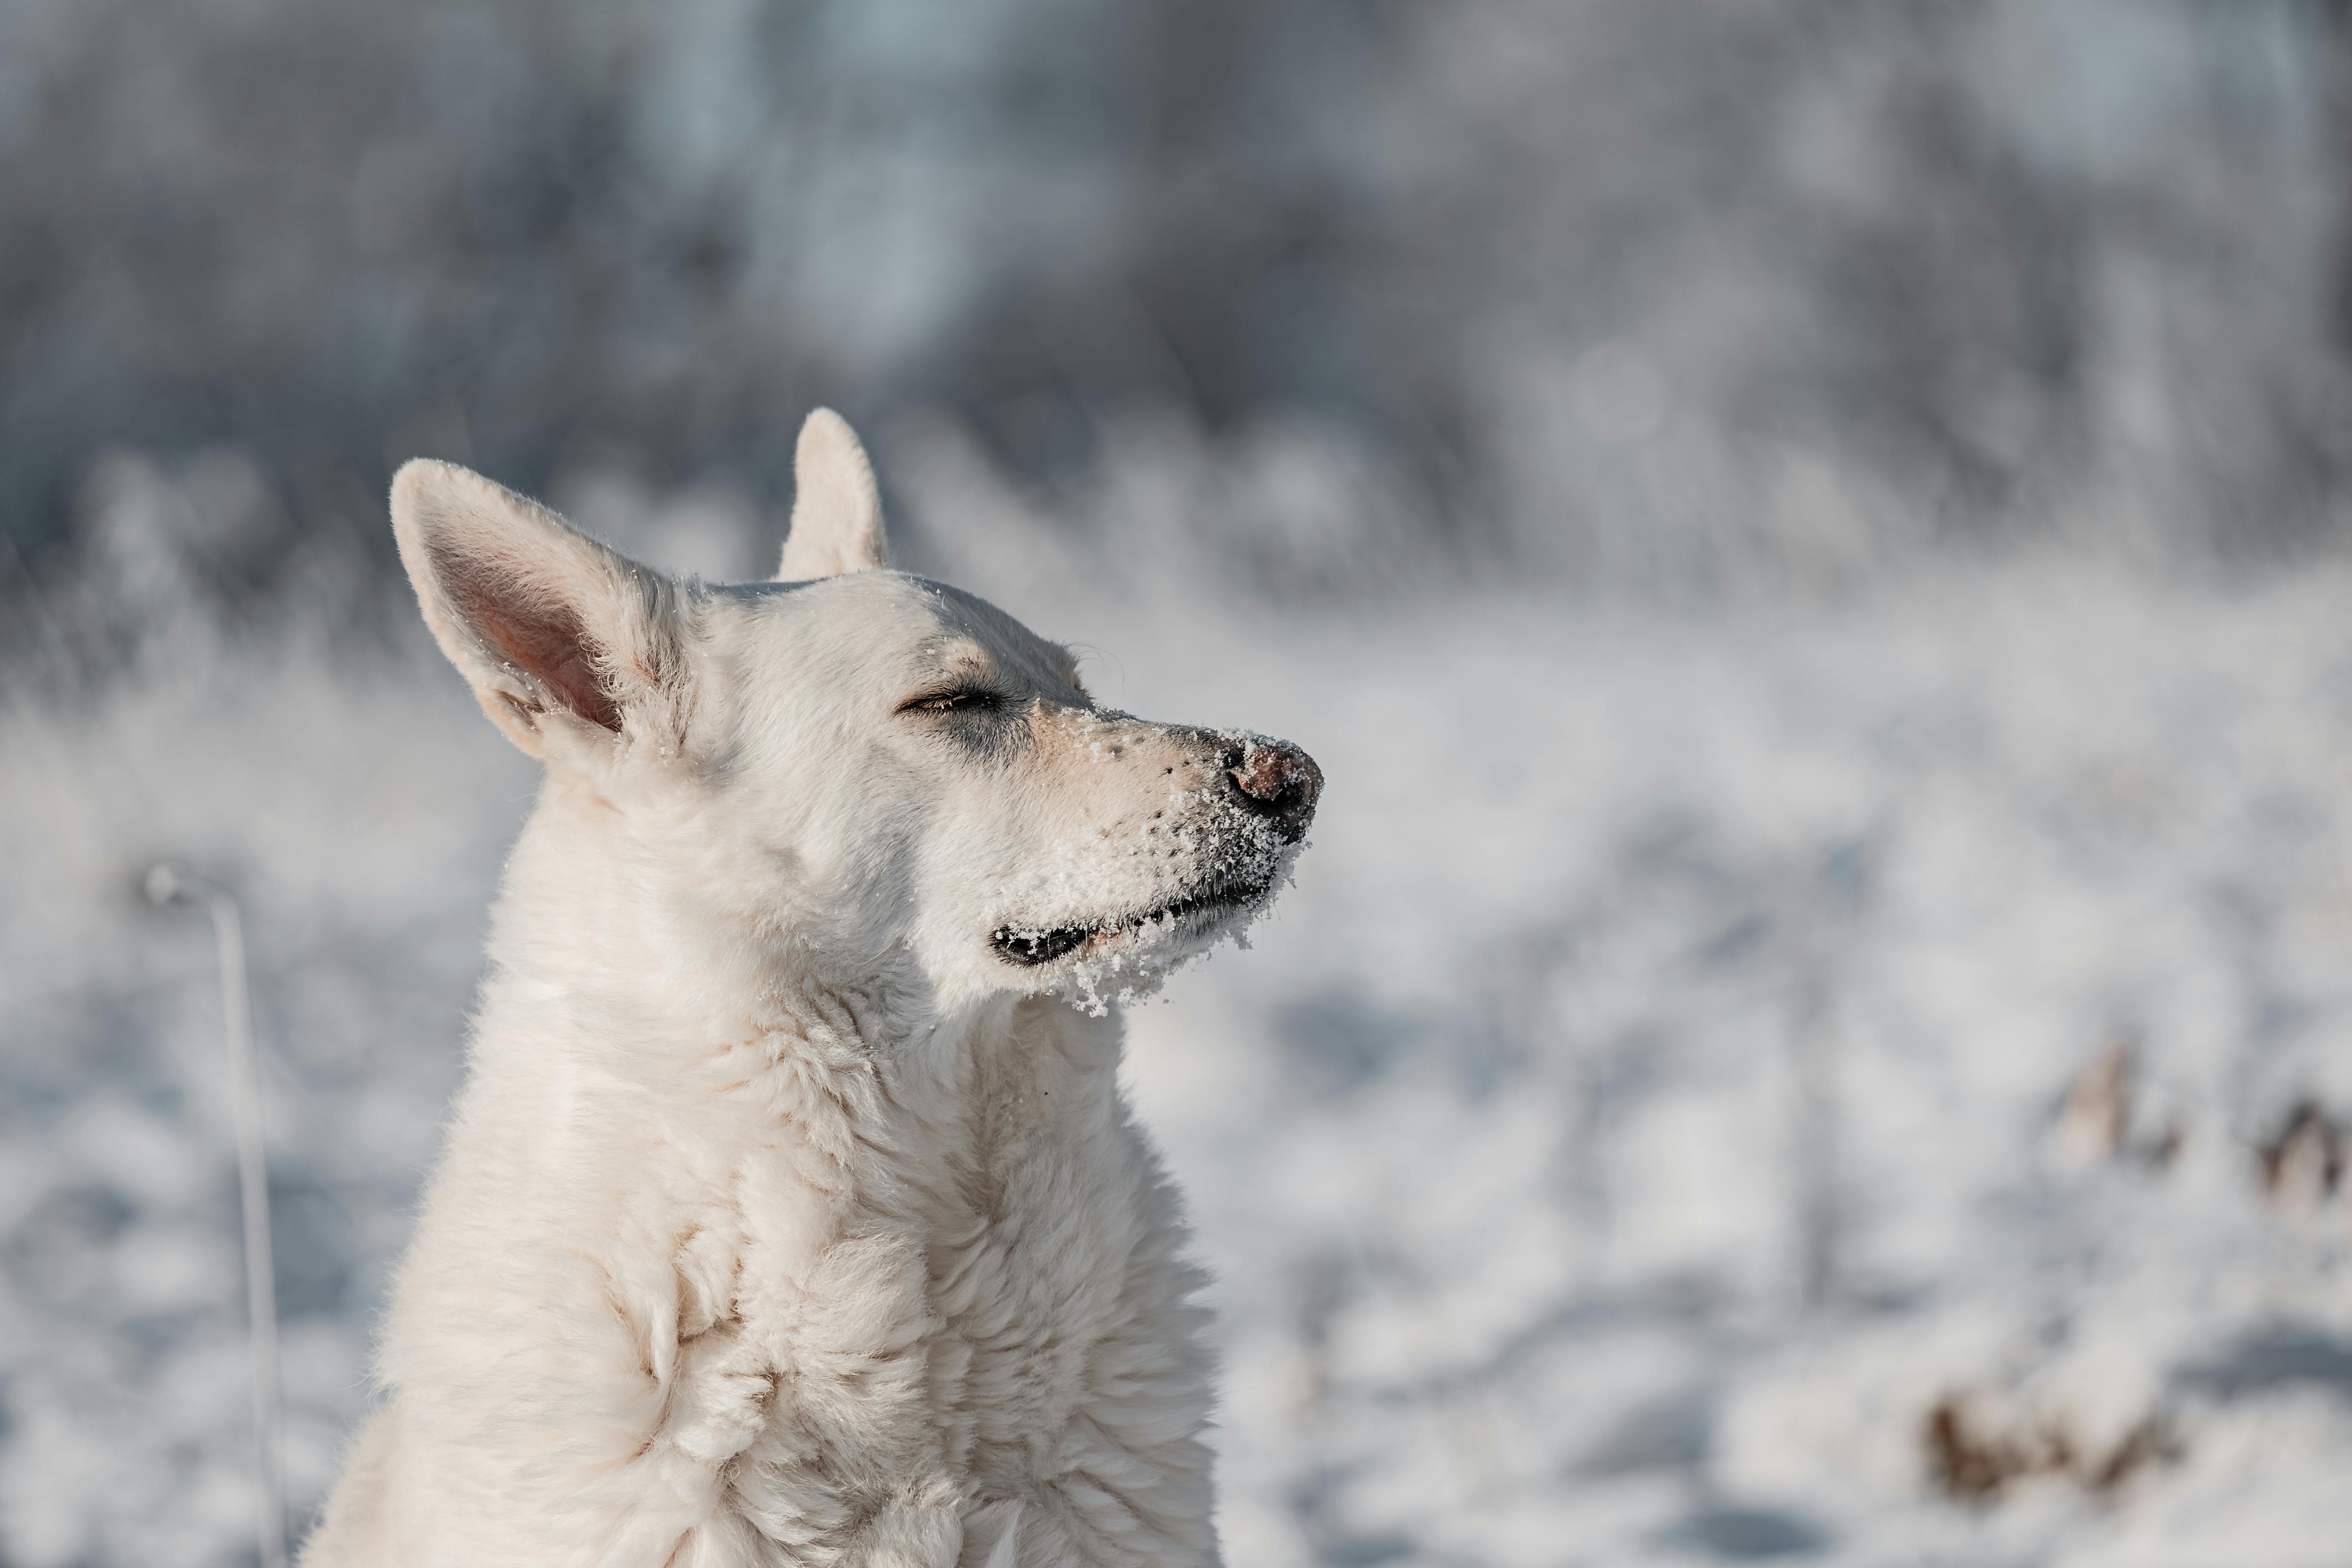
(1030, 947)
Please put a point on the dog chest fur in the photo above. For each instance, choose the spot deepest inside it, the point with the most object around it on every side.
(774, 1284)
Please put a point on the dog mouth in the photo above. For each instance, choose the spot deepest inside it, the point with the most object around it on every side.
(1030, 946)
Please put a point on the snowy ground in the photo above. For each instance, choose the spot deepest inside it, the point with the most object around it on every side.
(1643, 1114)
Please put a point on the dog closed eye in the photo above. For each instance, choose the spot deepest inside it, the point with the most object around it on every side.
(957, 699)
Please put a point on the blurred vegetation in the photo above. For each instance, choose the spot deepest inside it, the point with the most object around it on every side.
(1632, 294)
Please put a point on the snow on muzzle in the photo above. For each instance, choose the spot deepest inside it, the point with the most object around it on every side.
(1268, 800)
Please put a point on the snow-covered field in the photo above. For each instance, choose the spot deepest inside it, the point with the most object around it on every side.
(1646, 1113)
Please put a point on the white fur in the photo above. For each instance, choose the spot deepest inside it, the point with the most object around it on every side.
(784, 1218)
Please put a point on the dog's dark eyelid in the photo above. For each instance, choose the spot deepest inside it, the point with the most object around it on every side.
(952, 700)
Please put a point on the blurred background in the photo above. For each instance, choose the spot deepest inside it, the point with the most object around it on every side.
(1809, 537)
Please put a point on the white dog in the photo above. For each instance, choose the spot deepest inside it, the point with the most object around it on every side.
(790, 1213)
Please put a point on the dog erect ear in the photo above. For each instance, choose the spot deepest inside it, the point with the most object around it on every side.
(567, 643)
(836, 523)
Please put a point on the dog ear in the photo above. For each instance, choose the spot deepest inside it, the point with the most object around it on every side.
(568, 646)
(836, 523)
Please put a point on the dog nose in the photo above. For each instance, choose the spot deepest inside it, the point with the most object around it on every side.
(1277, 780)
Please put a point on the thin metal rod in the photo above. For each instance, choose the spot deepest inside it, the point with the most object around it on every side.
(165, 885)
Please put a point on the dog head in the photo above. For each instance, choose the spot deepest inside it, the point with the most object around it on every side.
(873, 770)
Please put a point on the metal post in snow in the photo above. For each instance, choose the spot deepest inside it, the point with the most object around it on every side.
(167, 885)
